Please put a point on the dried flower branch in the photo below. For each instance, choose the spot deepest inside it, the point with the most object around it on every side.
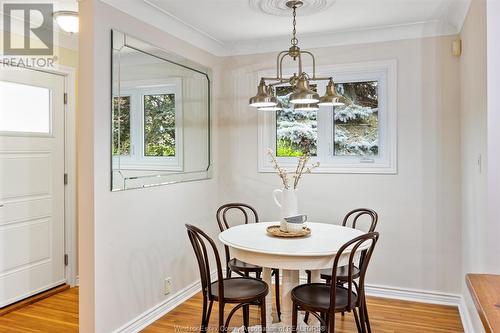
(281, 172)
(301, 169)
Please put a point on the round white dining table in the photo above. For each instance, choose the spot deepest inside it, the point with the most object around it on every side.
(252, 244)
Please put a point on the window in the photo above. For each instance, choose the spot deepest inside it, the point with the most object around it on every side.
(359, 137)
(356, 125)
(147, 129)
(24, 108)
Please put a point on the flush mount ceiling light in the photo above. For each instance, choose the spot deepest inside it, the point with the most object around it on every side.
(67, 20)
(302, 96)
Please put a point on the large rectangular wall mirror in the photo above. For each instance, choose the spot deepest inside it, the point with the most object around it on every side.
(160, 116)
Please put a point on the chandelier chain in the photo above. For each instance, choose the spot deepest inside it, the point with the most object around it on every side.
(294, 38)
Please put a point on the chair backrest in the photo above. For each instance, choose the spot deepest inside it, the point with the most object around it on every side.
(248, 212)
(360, 212)
(367, 243)
(199, 241)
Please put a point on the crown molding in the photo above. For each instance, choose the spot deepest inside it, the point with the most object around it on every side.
(165, 21)
(148, 12)
(347, 37)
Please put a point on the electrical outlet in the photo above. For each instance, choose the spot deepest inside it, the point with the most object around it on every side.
(167, 288)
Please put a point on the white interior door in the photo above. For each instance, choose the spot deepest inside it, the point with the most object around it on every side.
(31, 183)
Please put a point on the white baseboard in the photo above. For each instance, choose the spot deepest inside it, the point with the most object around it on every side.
(422, 296)
(158, 311)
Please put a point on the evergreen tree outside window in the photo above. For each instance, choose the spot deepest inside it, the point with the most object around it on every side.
(159, 125)
(121, 126)
(296, 131)
(356, 129)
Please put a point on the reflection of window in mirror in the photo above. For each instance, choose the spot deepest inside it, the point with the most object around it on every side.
(121, 126)
(147, 125)
(159, 125)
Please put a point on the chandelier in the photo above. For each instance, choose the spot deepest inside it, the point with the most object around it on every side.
(303, 98)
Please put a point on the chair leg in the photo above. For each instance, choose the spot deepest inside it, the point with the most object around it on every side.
(258, 275)
(331, 322)
(263, 319)
(309, 280)
(362, 318)
(326, 319)
(295, 311)
(277, 292)
(367, 320)
(246, 317)
(207, 317)
(228, 273)
(222, 327)
(356, 319)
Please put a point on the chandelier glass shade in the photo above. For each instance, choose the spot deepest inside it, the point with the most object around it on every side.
(303, 98)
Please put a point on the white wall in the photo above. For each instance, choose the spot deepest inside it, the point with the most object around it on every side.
(492, 229)
(420, 246)
(131, 240)
(473, 113)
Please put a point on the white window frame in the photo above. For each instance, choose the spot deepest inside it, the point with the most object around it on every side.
(137, 159)
(385, 72)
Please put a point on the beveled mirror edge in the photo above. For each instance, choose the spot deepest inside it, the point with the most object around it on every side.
(120, 39)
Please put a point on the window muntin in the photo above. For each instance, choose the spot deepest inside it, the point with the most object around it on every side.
(24, 108)
(356, 126)
(159, 124)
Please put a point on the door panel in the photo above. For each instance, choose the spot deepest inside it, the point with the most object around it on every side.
(31, 183)
(24, 175)
(30, 241)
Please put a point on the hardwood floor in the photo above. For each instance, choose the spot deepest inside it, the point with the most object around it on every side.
(386, 316)
(59, 314)
(55, 314)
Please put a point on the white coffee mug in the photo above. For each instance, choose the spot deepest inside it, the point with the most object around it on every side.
(295, 223)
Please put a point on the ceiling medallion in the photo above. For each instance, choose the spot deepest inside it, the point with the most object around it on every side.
(303, 98)
(279, 7)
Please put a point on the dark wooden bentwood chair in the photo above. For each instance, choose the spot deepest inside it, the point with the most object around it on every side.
(351, 219)
(237, 266)
(353, 223)
(243, 291)
(324, 300)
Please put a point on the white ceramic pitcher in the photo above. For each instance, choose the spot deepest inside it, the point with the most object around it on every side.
(288, 204)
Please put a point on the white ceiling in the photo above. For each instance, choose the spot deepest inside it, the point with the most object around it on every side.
(226, 27)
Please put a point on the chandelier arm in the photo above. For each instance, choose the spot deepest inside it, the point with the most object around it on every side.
(314, 63)
(280, 82)
(281, 65)
(278, 69)
(300, 62)
(324, 78)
